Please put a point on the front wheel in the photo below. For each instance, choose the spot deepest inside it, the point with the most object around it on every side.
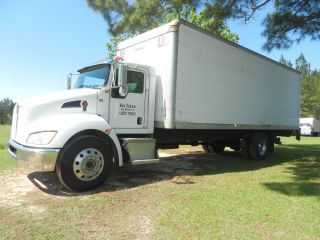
(84, 163)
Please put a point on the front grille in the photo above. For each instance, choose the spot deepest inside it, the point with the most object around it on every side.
(17, 118)
(12, 149)
(14, 122)
(19, 121)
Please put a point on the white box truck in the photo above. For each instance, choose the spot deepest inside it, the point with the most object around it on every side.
(309, 127)
(176, 84)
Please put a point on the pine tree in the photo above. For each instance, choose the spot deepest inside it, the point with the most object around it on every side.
(310, 89)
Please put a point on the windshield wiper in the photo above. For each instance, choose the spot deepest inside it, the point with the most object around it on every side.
(90, 86)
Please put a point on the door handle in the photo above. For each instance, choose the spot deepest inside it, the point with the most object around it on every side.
(139, 120)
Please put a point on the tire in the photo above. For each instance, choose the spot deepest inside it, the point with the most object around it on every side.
(216, 148)
(236, 146)
(205, 148)
(258, 146)
(85, 163)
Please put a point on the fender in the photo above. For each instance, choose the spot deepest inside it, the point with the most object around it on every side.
(68, 125)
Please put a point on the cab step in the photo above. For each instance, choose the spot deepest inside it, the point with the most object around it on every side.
(145, 161)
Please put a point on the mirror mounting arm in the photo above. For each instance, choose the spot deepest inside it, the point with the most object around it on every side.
(69, 81)
(122, 76)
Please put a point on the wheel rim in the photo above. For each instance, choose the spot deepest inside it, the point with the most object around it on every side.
(88, 164)
(262, 147)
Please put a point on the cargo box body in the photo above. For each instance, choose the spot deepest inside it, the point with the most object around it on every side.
(205, 82)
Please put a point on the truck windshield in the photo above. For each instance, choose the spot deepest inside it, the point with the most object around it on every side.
(93, 77)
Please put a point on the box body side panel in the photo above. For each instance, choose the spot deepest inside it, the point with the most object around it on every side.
(222, 85)
(217, 85)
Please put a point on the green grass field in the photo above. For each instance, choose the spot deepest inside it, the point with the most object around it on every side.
(210, 197)
(6, 162)
(274, 199)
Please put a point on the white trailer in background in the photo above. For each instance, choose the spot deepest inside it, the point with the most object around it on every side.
(176, 84)
(309, 127)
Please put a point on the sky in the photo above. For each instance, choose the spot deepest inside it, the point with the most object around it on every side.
(42, 41)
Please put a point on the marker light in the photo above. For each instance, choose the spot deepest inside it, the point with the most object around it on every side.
(173, 27)
(117, 58)
(84, 105)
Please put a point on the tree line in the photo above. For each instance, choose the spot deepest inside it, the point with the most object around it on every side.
(310, 86)
(6, 108)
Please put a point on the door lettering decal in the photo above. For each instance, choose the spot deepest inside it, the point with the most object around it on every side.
(126, 109)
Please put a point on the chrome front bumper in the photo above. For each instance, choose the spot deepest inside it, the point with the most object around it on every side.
(37, 158)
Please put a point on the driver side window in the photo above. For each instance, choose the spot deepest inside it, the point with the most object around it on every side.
(135, 81)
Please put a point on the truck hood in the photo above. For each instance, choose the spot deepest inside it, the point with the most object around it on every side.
(28, 114)
(61, 96)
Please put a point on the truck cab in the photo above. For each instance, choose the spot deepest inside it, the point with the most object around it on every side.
(84, 131)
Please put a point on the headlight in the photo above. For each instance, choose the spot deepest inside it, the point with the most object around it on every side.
(41, 138)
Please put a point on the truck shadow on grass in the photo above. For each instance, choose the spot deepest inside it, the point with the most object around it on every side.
(304, 171)
(304, 166)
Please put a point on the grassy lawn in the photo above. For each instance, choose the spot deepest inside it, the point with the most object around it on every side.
(188, 196)
(237, 199)
(6, 162)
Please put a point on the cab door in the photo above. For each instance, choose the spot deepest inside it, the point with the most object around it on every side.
(129, 112)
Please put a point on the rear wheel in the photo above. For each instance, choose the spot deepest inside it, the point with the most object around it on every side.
(214, 148)
(85, 163)
(205, 148)
(258, 146)
(236, 146)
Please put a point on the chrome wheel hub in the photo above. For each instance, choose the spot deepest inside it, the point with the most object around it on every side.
(88, 164)
(262, 147)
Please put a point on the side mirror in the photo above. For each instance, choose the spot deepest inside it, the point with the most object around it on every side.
(123, 88)
(69, 81)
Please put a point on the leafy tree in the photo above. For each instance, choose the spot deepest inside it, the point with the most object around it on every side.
(206, 22)
(289, 22)
(113, 43)
(126, 20)
(142, 15)
(315, 75)
(6, 108)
